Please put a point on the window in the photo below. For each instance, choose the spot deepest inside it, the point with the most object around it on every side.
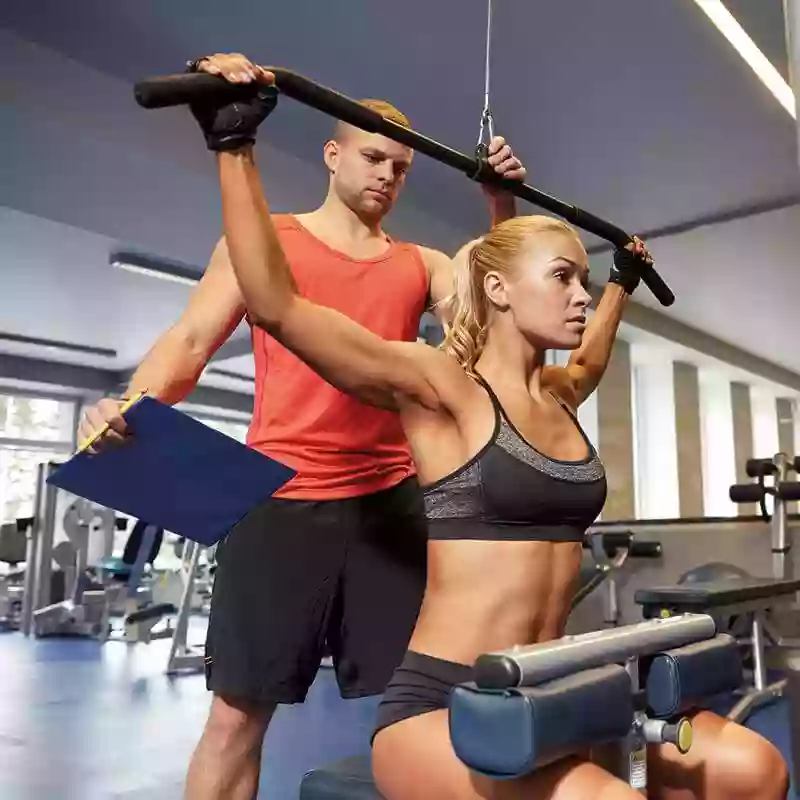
(33, 430)
(36, 419)
(18, 476)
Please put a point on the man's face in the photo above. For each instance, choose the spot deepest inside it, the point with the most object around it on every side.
(367, 170)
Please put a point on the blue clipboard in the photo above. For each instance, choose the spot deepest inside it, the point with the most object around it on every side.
(177, 473)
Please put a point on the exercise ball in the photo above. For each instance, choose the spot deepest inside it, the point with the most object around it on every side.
(714, 572)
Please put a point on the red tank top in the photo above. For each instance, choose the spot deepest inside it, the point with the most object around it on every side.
(339, 446)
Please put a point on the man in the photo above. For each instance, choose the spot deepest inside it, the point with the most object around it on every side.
(337, 557)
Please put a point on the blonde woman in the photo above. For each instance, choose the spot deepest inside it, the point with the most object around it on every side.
(510, 483)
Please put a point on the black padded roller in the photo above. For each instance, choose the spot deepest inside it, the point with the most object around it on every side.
(496, 671)
(645, 550)
(790, 490)
(746, 493)
(756, 467)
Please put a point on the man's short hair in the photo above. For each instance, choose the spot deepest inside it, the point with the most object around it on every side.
(382, 107)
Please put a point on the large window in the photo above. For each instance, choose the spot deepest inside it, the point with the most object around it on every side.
(36, 419)
(32, 430)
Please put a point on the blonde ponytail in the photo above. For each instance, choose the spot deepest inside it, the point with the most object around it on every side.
(468, 307)
(465, 330)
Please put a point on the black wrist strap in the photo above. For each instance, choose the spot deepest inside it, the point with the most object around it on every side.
(193, 66)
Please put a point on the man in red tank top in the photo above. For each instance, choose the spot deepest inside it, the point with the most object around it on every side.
(336, 559)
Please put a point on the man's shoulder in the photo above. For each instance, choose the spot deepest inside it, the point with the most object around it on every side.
(432, 258)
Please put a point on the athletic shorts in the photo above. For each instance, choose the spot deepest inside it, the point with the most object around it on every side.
(420, 684)
(298, 579)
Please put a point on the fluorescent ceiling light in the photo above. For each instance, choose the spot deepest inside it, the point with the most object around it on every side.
(748, 50)
(151, 272)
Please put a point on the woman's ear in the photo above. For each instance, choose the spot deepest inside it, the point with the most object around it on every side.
(496, 289)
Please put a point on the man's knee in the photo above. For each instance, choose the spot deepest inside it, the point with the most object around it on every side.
(236, 719)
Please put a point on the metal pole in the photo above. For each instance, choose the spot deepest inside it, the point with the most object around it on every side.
(45, 522)
(191, 559)
(31, 555)
(780, 539)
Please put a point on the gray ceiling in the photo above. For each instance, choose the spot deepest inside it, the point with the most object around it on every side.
(638, 111)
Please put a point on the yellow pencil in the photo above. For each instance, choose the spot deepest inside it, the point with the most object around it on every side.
(102, 432)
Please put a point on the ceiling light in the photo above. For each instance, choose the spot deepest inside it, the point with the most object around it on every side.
(748, 50)
(155, 268)
(152, 273)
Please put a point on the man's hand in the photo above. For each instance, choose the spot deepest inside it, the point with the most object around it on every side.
(502, 159)
(233, 124)
(104, 415)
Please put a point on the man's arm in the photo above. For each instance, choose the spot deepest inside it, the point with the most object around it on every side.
(172, 367)
(502, 206)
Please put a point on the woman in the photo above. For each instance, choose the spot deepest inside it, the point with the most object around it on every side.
(511, 483)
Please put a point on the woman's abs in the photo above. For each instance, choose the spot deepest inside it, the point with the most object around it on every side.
(483, 596)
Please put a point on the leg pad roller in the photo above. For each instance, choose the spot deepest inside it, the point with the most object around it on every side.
(509, 733)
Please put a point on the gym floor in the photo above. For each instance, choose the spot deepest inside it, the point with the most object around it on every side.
(80, 720)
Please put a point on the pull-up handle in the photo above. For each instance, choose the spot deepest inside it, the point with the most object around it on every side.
(173, 90)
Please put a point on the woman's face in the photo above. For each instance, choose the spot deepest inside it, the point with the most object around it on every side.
(546, 292)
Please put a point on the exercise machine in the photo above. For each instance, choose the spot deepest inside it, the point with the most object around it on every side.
(750, 607)
(610, 549)
(96, 585)
(779, 470)
(13, 551)
(184, 657)
(620, 689)
(83, 612)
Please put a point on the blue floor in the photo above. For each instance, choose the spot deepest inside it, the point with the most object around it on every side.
(79, 720)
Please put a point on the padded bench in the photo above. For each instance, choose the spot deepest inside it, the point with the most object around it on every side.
(751, 598)
(350, 778)
(722, 596)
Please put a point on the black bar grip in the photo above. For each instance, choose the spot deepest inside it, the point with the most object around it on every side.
(789, 490)
(610, 539)
(496, 671)
(746, 492)
(796, 464)
(171, 90)
(189, 87)
(645, 550)
(756, 467)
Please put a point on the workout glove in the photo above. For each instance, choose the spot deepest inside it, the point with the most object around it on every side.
(230, 125)
(626, 270)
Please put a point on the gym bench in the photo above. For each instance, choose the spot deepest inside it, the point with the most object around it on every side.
(752, 598)
(526, 706)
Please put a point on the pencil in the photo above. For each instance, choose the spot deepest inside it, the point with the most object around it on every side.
(102, 432)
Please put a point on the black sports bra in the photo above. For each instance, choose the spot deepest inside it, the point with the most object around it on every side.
(510, 490)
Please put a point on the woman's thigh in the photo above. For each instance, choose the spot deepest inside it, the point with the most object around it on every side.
(414, 760)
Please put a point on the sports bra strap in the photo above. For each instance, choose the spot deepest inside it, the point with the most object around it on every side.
(498, 407)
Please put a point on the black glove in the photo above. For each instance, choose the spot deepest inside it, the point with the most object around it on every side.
(231, 124)
(626, 270)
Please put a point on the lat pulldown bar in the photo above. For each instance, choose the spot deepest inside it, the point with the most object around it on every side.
(173, 90)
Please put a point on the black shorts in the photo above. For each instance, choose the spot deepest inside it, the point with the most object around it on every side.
(296, 577)
(421, 683)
